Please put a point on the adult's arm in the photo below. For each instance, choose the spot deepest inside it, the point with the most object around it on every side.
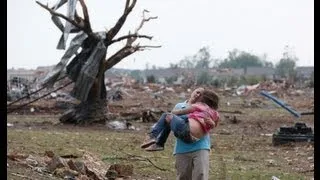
(179, 106)
(186, 110)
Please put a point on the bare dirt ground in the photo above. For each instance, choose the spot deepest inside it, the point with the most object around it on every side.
(241, 146)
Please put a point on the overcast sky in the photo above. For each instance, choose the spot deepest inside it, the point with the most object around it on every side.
(182, 28)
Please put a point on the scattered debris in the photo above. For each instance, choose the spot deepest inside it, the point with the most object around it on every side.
(145, 102)
(116, 95)
(232, 119)
(65, 172)
(16, 156)
(56, 162)
(119, 170)
(21, 176)
(271, 162)
(147, 116)
(120, 125)
(9, 125)
(274, 178)
(89, 167)
(298, 133)
(245, 89)
(117, 125)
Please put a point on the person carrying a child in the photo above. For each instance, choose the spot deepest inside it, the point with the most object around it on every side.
(188, 124)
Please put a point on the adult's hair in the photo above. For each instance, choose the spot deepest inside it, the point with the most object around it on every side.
(211, 98)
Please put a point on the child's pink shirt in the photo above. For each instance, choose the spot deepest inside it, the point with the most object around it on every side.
(203, 111)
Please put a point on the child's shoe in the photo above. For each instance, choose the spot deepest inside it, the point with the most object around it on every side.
(148, 141)
(154, 147)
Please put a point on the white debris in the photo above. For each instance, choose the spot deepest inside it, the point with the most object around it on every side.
(170, 89)
(9, 124)
(116, 125)
(274, 178)
(53, 95)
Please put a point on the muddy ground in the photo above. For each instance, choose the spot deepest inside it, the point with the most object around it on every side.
(241, 146)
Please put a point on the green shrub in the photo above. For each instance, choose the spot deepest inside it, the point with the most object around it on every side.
(151, 79)
(171, 79)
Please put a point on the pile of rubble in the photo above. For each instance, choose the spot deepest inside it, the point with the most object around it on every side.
(146, 102)
(72, 167)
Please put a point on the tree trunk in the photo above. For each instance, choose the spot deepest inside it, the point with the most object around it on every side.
(94, 109)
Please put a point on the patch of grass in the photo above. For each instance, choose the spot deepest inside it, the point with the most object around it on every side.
(33, 118)
(233, 157)
(110, 146)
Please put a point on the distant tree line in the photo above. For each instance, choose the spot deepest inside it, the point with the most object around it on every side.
(284, 68)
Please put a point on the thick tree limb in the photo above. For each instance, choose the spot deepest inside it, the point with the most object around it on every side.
(114, 31)
(85, 15)
(73, 22)
(123, 53)
(118, 56)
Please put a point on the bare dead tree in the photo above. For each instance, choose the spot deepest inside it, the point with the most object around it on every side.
(88, 67)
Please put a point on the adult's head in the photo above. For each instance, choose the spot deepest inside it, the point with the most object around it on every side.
(195, 95)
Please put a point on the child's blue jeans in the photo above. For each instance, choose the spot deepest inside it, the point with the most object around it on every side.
(178, 124)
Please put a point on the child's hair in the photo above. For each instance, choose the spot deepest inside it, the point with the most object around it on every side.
(210, 98)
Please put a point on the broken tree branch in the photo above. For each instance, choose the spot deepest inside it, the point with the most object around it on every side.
(114, 30)
(147, 159)
(131, 40)
(128, 49)
(143, 47)
(135, 157)
(130, 36)
(144, 20)
(73, 22)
